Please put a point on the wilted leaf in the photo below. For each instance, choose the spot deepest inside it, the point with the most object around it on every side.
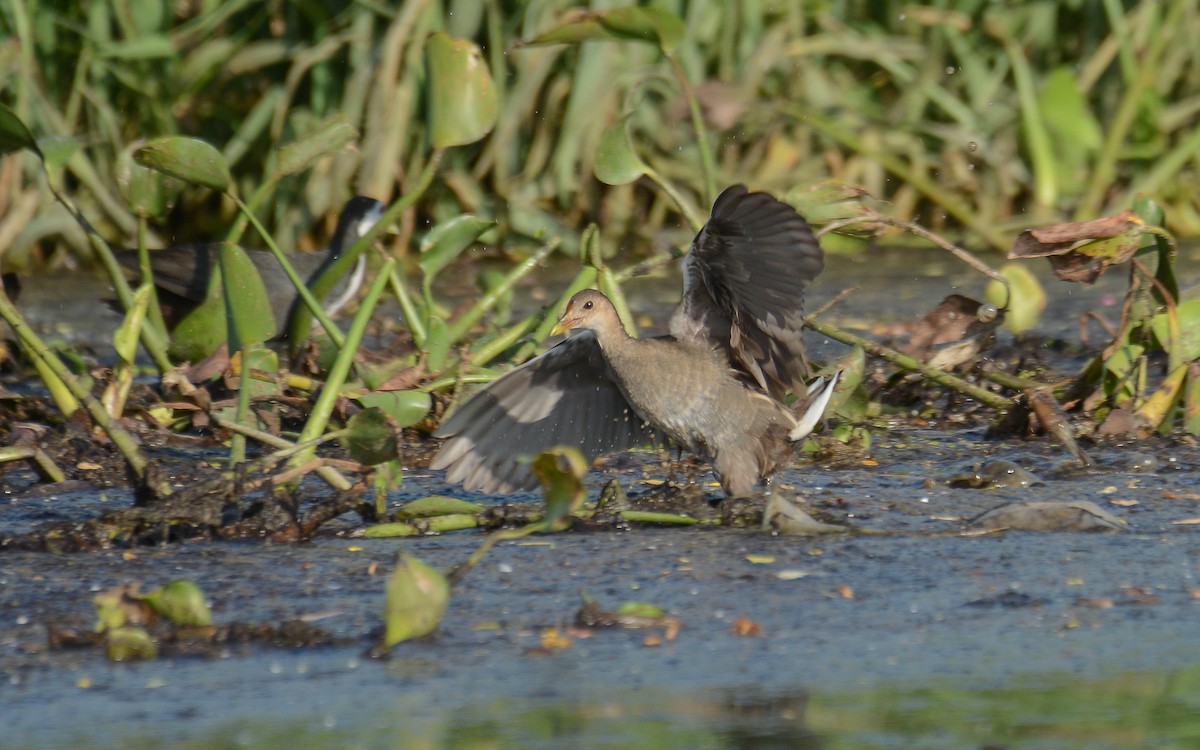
(370, 437)
(417, 596)
(463, 104)
(1081, 251)
(616, 161)
(190, 159)
(783, 517)
(181, 602)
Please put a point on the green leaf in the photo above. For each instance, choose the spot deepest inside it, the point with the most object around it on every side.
(370, 437)
(190, 159)
(416, 600)
(463, 103)
(560, 471)
(437, 344)
(206, 327)
(181, 602)
(405, 408)
(150, 47)
(616, 161)
(331, 136)
(1188, 342)
(1028, 298)
(651, 25)
(247, 306)
(448, 239)
(130, 644)
(14, 136)
(436, 505)
(148, 192)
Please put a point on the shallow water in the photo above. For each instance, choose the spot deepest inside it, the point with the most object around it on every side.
(918, 638)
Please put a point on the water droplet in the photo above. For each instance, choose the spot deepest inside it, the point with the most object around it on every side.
(972, 146)
(950, 70)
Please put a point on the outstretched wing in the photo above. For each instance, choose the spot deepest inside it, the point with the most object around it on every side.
(563, 397)
(744, 284)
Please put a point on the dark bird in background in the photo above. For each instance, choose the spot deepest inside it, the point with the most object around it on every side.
(182, 272)
(714, 386)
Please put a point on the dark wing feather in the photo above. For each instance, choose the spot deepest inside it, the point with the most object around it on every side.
(563, 397)
(745, 278)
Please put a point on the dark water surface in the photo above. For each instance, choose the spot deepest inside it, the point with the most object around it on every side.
(917, 638)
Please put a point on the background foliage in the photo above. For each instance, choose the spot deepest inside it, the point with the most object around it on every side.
(975, 115)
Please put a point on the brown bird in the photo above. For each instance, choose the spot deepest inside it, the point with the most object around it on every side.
(714, 386)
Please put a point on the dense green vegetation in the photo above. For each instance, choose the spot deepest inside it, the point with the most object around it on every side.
(958, 114)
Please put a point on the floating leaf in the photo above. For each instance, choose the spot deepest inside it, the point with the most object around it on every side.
(181, 602)
(190, 159)
(417, 596)
(370, 437)
(331, 136)
(463, 104)
(130, 644)
(616, 161)
(436, 505)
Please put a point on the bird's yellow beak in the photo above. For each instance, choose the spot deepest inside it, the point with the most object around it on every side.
(564, 322)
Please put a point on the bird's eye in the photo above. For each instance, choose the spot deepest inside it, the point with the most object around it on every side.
(587, 305)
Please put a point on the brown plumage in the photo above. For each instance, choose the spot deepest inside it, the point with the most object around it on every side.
(713, 386)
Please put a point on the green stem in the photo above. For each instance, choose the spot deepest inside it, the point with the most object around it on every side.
(708, 166)
(693, 216)
(489, 300)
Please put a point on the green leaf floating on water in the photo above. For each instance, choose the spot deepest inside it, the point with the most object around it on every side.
(417, 596)
(463, 104)
(189, 159)
(181, 602)
(436, 505)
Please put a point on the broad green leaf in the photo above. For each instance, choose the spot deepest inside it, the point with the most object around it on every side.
(14, 136)
(462, 104)
(370, 437)
(148, 192)
(205, 328)
(247, 305)
(1028, 298)
(437, 343)
(616, 161)
(331, 136)
(406, 408)
(57, 150)
(416, 600)
(447, 240)
(189, 159)
(560, 471)
(1189, 331)
(181, 602)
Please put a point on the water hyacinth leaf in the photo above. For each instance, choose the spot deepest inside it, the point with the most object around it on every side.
(652, 25)
(246, 302)
(130, 644)
(616, 161)
(1185, 345)
(436, 505)
(190, 159)
(463, 104)
(447, 240)
(370, 437)
(1026, 297)
(405, 408)
(181, 602)
(1159, 407)
(57, 150)
(1081, 251)
(14, 136)
(416, 600)
(148, 192)
(560, 471)
(331, 136)
(390, 531)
